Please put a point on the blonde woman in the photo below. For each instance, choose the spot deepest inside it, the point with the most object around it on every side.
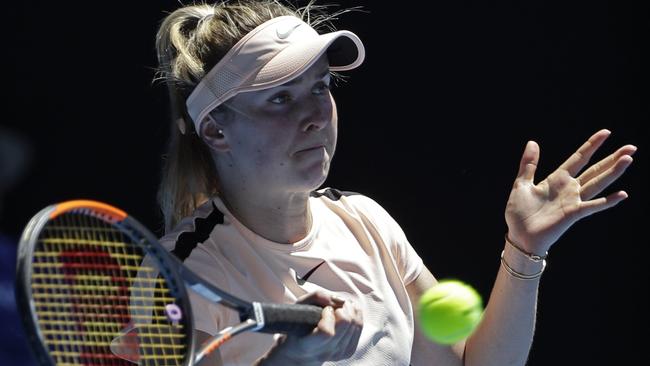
(254, 130)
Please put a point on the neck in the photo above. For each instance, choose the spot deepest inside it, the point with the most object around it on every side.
(279, 218)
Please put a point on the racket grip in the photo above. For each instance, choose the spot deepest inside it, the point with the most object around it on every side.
(294, 319)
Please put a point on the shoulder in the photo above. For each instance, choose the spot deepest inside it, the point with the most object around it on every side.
(352, 203)
(192, 230)
(186, 242)
(332, 194)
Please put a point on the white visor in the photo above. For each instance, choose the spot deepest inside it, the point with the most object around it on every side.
(272, 54)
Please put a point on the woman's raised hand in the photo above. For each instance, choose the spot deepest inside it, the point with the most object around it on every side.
(538, 214)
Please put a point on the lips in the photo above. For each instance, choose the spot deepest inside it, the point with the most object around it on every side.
(314, 147)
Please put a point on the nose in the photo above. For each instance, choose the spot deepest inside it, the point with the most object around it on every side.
(316, 114)
(315, 125)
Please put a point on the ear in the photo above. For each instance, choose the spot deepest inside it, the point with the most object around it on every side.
(213, 135)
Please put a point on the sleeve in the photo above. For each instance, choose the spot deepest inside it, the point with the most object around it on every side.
(208, 317)
(407, 260)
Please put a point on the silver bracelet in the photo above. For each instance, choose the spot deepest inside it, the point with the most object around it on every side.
(518, 275)
(533, 257)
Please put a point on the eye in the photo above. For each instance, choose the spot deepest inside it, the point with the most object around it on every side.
(321, 88)
(281, 98)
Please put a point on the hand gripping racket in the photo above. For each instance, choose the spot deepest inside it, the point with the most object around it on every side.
(96, 288)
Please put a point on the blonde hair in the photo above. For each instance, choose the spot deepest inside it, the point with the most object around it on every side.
(189, 42)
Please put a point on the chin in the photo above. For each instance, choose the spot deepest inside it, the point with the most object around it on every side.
(315, 184)
(311, 182)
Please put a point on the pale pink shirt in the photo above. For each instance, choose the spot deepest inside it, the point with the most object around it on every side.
(367, 259)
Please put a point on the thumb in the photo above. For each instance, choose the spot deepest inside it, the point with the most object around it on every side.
(528, 163)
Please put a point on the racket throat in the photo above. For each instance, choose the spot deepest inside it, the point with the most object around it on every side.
(222, 337)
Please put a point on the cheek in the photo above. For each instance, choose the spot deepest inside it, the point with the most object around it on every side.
(332, 133)
(334, 125)
(270, 147)
(264, 156)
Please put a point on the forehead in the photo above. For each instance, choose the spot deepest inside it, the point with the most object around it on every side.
(318, 70)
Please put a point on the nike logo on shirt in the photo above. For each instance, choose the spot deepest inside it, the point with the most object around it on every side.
(301, 280)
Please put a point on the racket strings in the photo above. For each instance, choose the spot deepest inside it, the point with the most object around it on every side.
(98, 301)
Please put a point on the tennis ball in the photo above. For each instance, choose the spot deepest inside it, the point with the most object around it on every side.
(450, 311)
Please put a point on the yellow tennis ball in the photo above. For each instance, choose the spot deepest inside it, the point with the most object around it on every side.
(450, 311)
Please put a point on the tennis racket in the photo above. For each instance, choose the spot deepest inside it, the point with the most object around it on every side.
(95, 287)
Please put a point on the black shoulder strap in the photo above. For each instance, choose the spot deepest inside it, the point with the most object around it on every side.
(188, 240)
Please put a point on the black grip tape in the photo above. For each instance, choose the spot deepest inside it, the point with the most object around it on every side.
(294, 319)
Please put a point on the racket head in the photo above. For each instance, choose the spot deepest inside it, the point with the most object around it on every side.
(95, 287)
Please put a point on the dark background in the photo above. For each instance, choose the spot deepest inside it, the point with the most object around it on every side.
(432, 126)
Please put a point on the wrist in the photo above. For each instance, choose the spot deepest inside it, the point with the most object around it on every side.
(521, 264)
(525, 246)
(534, 256)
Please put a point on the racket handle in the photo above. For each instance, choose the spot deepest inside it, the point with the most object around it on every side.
(294, 319)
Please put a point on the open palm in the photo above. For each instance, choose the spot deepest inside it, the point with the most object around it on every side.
(538, 214)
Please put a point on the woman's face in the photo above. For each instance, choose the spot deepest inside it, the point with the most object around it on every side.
(284, 138)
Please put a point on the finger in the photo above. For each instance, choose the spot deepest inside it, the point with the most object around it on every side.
(344, 316)
(600, 204)
(350, 314)
(605, 164)
(320, 298)
(332, 350)
(528, 162)
(327, 322)
(581, 157)
(602, 181)
(337, 301)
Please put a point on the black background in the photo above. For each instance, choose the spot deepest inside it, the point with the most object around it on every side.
(432, 126)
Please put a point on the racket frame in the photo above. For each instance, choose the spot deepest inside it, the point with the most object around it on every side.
(24, 298)
(127, 225)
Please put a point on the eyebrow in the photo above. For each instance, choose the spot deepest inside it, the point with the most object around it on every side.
(299, 78)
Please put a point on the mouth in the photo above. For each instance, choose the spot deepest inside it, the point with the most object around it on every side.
(312, 148)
